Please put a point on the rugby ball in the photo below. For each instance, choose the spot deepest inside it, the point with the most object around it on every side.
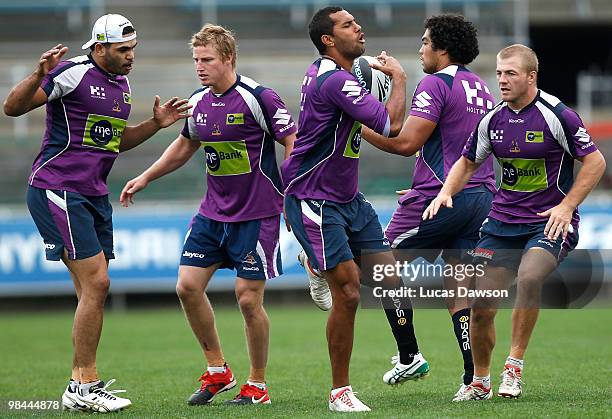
(374, 81)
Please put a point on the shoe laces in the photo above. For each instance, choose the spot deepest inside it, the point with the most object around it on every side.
(395, 359)
(105, 392)
(345, 397)
(511, 377)
(247, 390)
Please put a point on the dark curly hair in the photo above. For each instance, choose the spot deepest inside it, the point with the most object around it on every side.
(455, 35)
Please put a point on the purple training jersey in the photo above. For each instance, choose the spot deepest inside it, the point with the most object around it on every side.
(455, 99)
(325, 160)
(536, 148)
(237, 130)
(87, 111)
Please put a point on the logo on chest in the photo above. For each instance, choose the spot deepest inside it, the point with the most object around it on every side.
(534, 137)
(234, 119)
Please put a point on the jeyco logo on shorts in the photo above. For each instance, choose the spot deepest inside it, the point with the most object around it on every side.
(353, 144)
(103, 132)
(524, 175)
(227, 158)
(192, 255)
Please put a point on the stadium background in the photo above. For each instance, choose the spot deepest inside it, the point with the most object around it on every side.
(573, 39)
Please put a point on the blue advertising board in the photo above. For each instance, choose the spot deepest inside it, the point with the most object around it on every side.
(148, 246)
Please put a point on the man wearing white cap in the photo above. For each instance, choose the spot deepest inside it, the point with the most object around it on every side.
(88, 103)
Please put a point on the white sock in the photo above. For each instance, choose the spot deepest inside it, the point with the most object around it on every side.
(335, 391)
(84, 387)
(261, 386)
(216, 370)
(518, 363)
(483, 381)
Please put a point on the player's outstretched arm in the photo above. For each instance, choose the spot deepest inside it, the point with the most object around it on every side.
(176, 155)
(560, 216)
(288, 142)
(411, 138)
(459, 175)
(28, 94)
(396, 105)
(163, 116)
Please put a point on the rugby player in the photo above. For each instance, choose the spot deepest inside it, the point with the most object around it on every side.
(446, 106)
(331, 219)
(88, 103)
(236, 121)
(533, 222)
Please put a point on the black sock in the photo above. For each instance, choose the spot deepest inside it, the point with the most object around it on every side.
(461, 324)
(399, 315)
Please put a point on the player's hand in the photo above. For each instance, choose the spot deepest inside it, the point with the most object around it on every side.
(50, 59)
(171, 111)
(434, 206)
(286, 221)
(129, 190)
(402, 192)
(559, 219)
(389, 65)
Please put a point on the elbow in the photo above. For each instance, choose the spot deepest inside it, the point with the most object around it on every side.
(10, 110)
(395, 129)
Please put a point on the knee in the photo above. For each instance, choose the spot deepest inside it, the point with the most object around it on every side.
(480, 316)
(348, 297)
(249, 304)
(186, 289)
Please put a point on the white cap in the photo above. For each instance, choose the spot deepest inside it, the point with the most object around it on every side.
(109, 29)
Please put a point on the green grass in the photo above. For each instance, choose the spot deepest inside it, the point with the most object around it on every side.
(153, 354)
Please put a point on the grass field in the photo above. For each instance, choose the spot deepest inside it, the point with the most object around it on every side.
(154, 356)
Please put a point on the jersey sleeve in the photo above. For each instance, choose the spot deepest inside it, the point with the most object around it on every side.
(478, 146)
(429, 98)
(62, 80)
(277, 116)
(189, 127)
(343, 90)
(576, 139)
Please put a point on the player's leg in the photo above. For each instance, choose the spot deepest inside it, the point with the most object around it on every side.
(250, 295)
(498, 254)
(200, 259)
(254, 250)
(538, 262)
(320, 228)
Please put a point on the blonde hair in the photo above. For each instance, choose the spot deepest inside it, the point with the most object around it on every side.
(222, 39)
(529, 59)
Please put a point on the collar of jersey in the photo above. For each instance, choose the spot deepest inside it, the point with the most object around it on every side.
(229, 89)
(103, 71)
(526, 107)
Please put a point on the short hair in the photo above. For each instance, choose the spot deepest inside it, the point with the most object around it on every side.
(455, 35)
(529, 59)
(223, 40)
(322, 24)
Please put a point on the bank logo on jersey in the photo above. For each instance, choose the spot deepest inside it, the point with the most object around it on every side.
(353, 144)
(534, 137)
(524, 175)
(282, 117)
(227, 158)
(103, 132)
(234, 119)
(352, 88)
